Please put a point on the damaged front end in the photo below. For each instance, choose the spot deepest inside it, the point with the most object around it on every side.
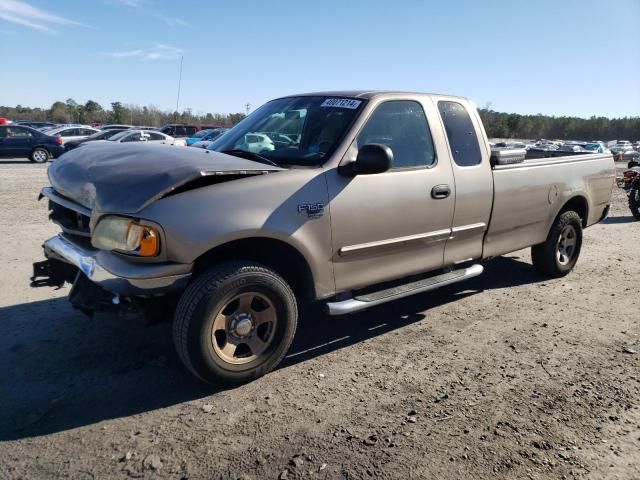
(102, 281)
(97, 189)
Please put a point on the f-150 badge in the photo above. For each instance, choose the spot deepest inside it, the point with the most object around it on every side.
(314, 210)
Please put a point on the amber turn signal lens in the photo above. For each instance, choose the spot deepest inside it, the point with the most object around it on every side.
(148, 243)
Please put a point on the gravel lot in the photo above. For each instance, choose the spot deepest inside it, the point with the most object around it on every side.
(510, 375)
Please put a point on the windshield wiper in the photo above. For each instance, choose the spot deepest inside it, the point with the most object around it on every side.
(250, 156)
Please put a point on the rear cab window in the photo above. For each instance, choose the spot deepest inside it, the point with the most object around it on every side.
(461, 133)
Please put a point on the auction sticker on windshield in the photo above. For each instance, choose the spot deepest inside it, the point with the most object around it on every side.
(341, 103)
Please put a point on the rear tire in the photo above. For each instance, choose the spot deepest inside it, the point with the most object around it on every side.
(634, 202)
(235, 323)
(559, 253)
(40, 155)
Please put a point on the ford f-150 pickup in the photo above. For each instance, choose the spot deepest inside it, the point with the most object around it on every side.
(352, 199)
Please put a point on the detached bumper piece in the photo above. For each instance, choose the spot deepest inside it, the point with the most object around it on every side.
(52, 273)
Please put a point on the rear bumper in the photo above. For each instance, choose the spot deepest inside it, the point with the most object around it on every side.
(56, 150)
(116, 274)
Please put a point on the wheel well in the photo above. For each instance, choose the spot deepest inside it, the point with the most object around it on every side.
(275, 254)
(578, 205)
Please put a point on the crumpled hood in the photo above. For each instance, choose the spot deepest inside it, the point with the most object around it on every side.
(123, 178)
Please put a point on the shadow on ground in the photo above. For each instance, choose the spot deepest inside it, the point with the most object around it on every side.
(622, 219)
(60, 370)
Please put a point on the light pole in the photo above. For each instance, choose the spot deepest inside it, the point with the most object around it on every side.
(179, 86)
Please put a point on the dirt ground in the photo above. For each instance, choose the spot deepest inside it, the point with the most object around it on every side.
(510, 375)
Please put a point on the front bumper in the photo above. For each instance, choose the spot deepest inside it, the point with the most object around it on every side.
(115, 274)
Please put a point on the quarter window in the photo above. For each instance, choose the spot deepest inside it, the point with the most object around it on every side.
(461, 134)
(402, 126)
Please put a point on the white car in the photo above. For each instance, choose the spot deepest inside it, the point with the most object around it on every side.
(72, 133)
(145, 136)
(256, 143)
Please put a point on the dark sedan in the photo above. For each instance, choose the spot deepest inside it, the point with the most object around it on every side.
(101, 135)
(20, 141)
(33, 124)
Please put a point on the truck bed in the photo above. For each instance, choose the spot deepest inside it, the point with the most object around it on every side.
(529, 195)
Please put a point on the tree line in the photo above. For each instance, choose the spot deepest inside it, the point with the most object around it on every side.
(497, 124)
(120, 113)
(513, 125)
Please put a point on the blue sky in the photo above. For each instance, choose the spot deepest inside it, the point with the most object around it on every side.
(561, 57)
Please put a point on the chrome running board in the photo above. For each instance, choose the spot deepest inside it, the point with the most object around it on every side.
(362, 302)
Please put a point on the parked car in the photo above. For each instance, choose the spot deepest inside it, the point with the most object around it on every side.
(128, 136)
(100, 135)
(511, 145)
(21, 141)
(180, 131)
(46, 129)
(114, 127)
(573, 148)
(235, 270)
(205, 136)
(596, 147)
(256, 143)
(34, 124)
(72, 133)
(620, 148)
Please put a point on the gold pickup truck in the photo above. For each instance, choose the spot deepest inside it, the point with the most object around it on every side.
(349, 199)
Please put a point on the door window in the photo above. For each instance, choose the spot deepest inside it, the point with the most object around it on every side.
(17, 132)
(134, 137)
(461, 134)
(155, 136)
(3, 132)
(402, 126)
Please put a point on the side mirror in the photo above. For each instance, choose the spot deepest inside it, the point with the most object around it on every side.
(372, 158)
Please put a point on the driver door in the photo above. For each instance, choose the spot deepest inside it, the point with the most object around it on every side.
(390, 225)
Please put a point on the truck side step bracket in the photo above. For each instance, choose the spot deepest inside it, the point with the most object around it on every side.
(362, 302)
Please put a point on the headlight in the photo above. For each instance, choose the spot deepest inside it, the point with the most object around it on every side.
(126, 235)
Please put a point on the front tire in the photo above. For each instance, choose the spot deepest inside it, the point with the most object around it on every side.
(235, 323)
(39, 155)
(634, 202)
(557, 256)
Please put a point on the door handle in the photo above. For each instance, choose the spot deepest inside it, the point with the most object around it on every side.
(440, 191)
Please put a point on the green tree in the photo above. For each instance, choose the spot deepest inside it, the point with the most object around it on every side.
(118, 113)
(58, 112)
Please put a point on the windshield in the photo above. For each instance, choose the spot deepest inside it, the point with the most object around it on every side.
(120, 135)
(202, 133)
(293, 130)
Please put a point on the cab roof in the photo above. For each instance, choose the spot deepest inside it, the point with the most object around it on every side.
(367, 94)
